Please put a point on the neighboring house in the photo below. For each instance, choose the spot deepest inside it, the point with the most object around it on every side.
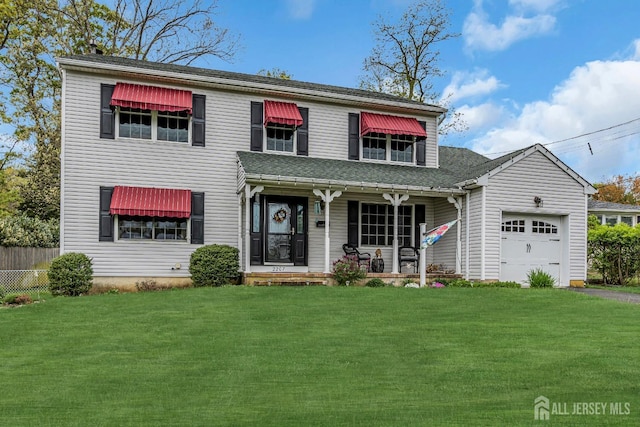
(159, 159)
(614, 213)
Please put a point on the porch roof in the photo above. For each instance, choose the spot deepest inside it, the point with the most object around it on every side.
(301, 169)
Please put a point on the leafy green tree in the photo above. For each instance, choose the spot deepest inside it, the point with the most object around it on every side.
(33, 33)
(276, 73)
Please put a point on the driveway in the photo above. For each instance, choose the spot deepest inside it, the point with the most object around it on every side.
(614, 295)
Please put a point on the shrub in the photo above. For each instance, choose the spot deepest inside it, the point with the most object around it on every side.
(26, 231)
(458, 283)
(614, 252)
(70, 274)
(2, 293)
(214, 265)
(375, 283)
(539, 278)
(497, 285)
(346, 271)
(21, 299)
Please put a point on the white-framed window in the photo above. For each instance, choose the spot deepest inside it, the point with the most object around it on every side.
(611, 219)
(390, 148)
(153, 125)
(513, 226)
(280, 138)
(541, 227)
(626, 220)
(151, 228)
(376, 225)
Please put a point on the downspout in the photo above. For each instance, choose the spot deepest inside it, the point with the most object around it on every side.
(240, 242)
(483, 219)
(467, 237)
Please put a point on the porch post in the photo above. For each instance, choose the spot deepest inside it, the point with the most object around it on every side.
(240, 241)
(327, 198)
(457, 202)
(423, 256)
(248, 194)
(395, 200)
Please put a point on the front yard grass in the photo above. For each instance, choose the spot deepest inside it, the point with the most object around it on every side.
(248, 356)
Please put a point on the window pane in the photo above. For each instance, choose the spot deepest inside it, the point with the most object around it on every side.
(173, 126)
(374, 146)
(147, 228)
(135, 123)
(280, 138)
(402, 148)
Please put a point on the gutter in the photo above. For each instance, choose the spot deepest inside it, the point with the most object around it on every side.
(371, 186)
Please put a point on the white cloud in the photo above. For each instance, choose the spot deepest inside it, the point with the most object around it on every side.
(595, 96)
(300, 9)
(467, 85)
(480, 34)
(483, 116)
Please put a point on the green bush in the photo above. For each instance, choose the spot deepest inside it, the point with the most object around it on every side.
(457, 283)
(70, 274)
(514, 285)
(347, 271)
(25, 231)
(375, 283)
(214, 265)
(2, 293)
(20, 299)
(614, 251)
(538, 278)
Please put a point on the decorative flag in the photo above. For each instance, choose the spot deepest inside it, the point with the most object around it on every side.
(435, 234)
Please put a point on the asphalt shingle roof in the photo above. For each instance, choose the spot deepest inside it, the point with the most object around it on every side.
(457, 165)
(595, 205)
(252, 78)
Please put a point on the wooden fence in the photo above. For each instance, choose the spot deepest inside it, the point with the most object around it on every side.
(15, 258)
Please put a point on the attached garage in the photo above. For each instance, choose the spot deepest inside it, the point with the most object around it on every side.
(530, 242)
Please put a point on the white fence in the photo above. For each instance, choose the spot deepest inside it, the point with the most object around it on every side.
(24, 281)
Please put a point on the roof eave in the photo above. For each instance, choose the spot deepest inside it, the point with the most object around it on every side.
(247, 86)
(304, 182)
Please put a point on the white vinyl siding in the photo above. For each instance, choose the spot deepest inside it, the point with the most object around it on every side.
(513, 190)
(444, 251)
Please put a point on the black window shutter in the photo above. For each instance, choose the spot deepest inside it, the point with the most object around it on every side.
(105, 233)
(420, 218)
(421, 147)
(198, 115)
(197, 218)
(352, 222)
(256, 126)
(303, 133)
(107, 115)
(354, 136)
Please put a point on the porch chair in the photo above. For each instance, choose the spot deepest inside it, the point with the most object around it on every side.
(364, 258)
(409, 256)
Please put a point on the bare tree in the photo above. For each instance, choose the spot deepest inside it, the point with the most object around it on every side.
(404, 60)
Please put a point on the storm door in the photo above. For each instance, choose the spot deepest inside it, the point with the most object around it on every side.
(286, 231)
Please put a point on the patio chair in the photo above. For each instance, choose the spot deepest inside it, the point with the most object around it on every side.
(408, 255)
(364, 258)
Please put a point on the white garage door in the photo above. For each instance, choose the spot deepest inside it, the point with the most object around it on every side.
(530, 242)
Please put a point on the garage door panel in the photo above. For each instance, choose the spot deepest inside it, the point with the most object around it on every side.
(530, 242)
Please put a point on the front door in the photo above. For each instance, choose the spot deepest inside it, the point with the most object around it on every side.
(286, 230)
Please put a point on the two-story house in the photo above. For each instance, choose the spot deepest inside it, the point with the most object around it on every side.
(159, 159)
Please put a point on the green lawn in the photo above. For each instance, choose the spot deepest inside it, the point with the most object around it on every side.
(288, 356)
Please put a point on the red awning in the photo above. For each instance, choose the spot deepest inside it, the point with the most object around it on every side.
(394, 125)
(151, 98)
(284, 113)
(143, 201)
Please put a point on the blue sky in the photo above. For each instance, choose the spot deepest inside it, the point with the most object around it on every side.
(522, 71)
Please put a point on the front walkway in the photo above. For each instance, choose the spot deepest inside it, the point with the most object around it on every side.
(614, 295)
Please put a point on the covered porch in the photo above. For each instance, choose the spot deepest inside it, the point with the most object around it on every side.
(296, 213)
